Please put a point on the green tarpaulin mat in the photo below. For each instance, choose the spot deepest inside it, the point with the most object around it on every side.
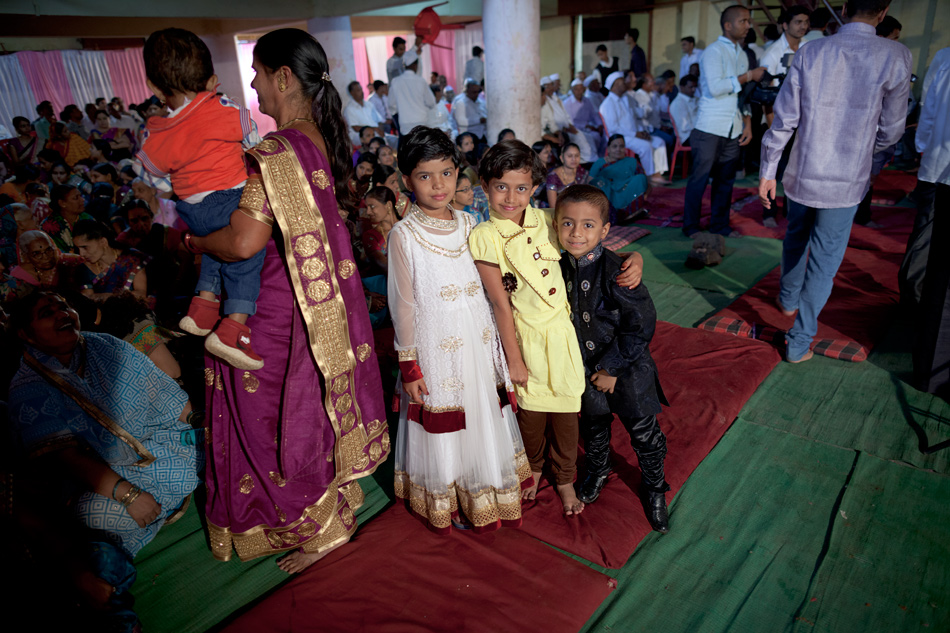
(886, 566)
(745, 531)
(866, 406)
(684, 306)
(747, 260)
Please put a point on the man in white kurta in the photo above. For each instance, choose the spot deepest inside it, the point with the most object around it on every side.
(360, 113)
(470, 113)
(585, 116)
(619, 119)
(562, 121)
(410, 97)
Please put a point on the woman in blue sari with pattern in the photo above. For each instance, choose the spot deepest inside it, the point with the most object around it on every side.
(114, 428)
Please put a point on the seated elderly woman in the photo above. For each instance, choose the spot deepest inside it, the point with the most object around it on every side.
(108, 437)
(43, 265)
(163, 209)
(113, 270)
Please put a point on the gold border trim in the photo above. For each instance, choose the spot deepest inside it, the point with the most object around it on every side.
(257, 215)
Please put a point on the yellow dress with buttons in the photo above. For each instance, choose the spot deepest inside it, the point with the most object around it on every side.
(539, 303)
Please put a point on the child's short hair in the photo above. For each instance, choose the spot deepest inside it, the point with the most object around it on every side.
(424, 144)
(177, 60)
(508, 156)
(382, 195)
(586, 194)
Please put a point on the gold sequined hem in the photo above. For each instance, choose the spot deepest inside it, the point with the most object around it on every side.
(482, 507)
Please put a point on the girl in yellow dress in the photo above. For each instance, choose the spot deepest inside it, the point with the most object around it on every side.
(516, 253)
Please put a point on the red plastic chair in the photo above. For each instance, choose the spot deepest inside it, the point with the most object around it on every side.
(685, 149)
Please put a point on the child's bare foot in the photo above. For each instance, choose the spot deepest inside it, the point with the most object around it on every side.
(529, 493)
(572, 505)
(297, 561)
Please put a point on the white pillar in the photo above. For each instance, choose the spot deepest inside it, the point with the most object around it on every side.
(336, 37)
(513, 67)
(224, 55)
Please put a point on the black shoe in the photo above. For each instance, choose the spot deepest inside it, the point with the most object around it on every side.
(591, 486)
(655, 505)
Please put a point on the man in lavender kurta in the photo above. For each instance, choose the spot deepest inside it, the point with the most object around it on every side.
(846, 95)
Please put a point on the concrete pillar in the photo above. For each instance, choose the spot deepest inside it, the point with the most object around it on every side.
(513, 67)
(336, 37)
(224, 54)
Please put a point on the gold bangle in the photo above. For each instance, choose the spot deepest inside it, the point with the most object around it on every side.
(134, 497)
(134, 490)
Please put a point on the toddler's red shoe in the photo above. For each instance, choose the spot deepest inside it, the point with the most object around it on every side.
(231, 342)
(201, 317)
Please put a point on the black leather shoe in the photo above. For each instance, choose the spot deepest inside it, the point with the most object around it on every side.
(655, 505)
(591, 486)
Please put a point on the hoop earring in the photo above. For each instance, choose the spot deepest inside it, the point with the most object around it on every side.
(281, 85)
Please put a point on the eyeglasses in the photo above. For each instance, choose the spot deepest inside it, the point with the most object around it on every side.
(46, 251)
(463, 190)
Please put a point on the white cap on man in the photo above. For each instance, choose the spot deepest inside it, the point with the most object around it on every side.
(590, 79)
(410, 57)
(577, 82)
(545, 80)
(554, 77)
(612, 79)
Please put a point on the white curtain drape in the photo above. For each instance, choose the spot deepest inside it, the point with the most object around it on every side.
(377, 52)
(88, 75)
(465, 39)
(16, 96)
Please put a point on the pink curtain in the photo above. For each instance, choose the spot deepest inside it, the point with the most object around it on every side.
(46, 75)
(443, 59)
(361, 60)
(127, 69)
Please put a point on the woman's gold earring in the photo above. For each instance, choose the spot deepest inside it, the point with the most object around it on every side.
(281, 85)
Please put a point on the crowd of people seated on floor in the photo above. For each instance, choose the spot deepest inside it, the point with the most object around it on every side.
(80, 221)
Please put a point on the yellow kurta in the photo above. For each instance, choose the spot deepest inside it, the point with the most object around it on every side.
(540, 307)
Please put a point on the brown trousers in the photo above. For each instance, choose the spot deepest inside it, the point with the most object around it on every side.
(564, 436)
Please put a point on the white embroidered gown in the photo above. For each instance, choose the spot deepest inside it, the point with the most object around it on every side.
(443, 321)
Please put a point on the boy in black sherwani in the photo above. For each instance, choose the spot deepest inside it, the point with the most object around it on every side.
(614, 326)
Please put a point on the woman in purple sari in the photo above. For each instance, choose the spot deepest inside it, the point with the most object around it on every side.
(287, 444)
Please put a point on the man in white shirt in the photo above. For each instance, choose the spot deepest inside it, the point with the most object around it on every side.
(475, 67)
(691, 54)
(933, 141)
(592, 84)
(586, 118)
(470, 114)
(409, 97)
(562, 121)
(619, 119)
(779, 56)
(380, 100)
(649, 102)
(439, 116)
(721, 128)
(360, 113)
(684, 109)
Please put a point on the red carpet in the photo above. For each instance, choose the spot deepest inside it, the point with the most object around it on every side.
(895, 226)
(892, 186)
(666, 206)
(707, 378)
(396, 576)
(860, 308)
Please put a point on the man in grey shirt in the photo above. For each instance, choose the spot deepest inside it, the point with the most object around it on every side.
(846, 96)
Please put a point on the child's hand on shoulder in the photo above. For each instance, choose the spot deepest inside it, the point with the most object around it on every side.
(415, 390)
(604, 381)
(631, 270)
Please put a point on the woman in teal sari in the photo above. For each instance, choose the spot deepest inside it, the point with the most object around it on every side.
(113, 429)
(619, 176)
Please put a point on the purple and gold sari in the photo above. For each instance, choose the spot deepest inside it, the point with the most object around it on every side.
(287, 443)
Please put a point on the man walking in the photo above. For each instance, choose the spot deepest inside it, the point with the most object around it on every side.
(845, 97)
(721, 128)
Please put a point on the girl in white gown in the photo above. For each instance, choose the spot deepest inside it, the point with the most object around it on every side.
(459, 455)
